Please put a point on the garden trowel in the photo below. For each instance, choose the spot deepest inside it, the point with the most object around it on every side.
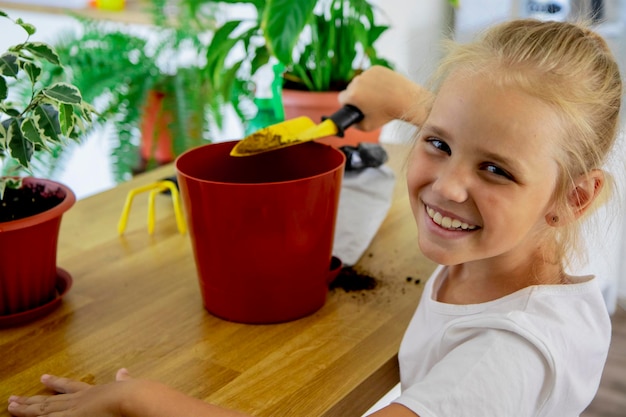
(298, 130)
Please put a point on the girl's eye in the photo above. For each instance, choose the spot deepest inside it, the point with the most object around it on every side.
(494, 169)
(439, 145)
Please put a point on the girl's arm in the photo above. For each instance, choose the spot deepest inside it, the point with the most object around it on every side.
(126, 397)
(384, 95)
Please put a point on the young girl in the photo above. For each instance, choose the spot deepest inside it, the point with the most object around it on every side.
(507, 161)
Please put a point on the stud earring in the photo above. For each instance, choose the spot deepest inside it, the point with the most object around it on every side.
(555, 219)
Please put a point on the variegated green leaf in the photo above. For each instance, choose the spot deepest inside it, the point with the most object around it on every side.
(10, 111)
(32, 70)
(14, 182)
(9, 182)
(44, 51)
(30, 29)
(8, 65)
(31, 132)
(3, 135)
(19, 147)
(87, 111)
(46, 118)
(63, 93)
(4, 89)
(66, 111)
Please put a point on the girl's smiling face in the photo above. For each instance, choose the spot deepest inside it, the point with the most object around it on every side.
(482, 174)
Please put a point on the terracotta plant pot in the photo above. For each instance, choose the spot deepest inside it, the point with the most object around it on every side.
(29, 277)
(156, 141)
(315, 105)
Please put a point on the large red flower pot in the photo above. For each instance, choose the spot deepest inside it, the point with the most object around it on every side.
(29, 277)
(262, 228)
(316, 105)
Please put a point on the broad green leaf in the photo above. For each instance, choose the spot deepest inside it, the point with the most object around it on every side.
(32, 70)
(8, 65)
(30, 29)
(261, 57)
(375, 32)
(3, 14)
(63, 93)
(282, 22)
(218, 50)
(11, 112)
(4, 89)
(32, 133)
(44, 51)
(19, 148)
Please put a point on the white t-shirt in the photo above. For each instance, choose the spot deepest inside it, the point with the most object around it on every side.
(537, 352)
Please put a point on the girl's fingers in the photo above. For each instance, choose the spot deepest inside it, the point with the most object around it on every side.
(63, 385)
(39, 405)
(122, 375)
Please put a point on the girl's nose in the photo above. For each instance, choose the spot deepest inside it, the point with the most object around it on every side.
(451, 183)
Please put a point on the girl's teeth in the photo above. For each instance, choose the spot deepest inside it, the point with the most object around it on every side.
(447, 222)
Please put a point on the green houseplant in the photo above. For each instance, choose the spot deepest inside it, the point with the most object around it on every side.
(30, 213)
(319, 45)
(141, 87)
(322, 44)
(151, 92)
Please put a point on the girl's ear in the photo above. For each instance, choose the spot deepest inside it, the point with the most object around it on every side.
(586, 189)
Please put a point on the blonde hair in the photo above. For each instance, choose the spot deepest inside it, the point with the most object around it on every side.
(569, 67)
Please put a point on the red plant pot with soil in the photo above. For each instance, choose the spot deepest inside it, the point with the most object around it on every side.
(30, 282)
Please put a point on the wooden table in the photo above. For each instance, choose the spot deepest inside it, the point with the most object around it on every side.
(135, 303)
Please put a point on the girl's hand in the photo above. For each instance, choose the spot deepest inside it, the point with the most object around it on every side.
(384, 95)
(75, 399)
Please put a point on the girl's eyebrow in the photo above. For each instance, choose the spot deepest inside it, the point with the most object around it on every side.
(435, 130)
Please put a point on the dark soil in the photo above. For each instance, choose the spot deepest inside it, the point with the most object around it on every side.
(29, 200)
(351, 280)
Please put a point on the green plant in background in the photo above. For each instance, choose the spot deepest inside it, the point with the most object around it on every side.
(338, 42)
(322, 44)
(52, 116)
(118, 67)
(115, 72)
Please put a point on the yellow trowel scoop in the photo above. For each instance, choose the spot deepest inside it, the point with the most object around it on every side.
(298, 130)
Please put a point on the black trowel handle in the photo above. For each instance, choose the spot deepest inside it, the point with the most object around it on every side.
(345, 117)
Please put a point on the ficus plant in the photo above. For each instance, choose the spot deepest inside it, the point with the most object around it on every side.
(52, 115)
